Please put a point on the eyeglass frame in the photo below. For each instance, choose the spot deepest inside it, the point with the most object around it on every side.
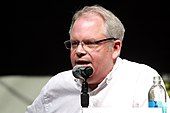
(68, 43)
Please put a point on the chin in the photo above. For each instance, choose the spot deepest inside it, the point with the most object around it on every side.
(91, 80)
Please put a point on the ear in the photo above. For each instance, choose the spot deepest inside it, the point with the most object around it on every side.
(116, 48)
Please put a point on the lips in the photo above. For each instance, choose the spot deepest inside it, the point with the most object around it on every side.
(82, 62)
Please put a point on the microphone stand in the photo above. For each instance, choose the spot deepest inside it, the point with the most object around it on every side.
(83, 73)
(84, 94)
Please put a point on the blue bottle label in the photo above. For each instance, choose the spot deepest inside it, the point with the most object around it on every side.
(157, 104)
(152, 104)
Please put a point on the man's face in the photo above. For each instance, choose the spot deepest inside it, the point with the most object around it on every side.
(100, 57)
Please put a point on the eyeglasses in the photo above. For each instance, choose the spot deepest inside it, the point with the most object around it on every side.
(86, 44)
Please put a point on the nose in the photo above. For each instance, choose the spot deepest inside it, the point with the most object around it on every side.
(80, 51)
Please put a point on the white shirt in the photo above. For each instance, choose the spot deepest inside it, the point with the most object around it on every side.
(126, 86)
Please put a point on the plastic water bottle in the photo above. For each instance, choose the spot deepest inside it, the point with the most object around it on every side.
(157, 95)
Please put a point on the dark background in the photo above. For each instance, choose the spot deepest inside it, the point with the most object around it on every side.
(34, 31)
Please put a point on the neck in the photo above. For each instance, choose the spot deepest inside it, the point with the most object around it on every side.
(93, 86)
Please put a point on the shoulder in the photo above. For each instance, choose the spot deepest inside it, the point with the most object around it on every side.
(137, 71)
(65, 76)
(61, 80)
(56, 87)
(138, 67)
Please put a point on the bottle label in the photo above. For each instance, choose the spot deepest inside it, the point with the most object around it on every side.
(157, 104)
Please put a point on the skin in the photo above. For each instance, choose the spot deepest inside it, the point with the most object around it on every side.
(103, 58)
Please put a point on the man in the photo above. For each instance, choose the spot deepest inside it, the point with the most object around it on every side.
(96, 36)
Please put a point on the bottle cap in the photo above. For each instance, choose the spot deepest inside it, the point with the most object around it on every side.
(157, 79)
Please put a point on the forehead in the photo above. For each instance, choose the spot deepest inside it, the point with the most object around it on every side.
(89, 25)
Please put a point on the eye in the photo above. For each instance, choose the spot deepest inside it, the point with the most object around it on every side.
(89, 42)
(74, 42)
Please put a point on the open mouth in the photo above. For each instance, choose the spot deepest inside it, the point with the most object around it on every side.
(82, 62)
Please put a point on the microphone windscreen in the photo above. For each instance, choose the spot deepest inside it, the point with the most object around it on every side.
(88, 71)
(82, 72)
(76, 72)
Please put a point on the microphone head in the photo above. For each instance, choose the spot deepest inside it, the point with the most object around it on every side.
(88, 71)
(76, 72)
(81, 72)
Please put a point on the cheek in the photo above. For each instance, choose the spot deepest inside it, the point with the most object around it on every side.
(101, 58)
(72, 58)
(105, 58)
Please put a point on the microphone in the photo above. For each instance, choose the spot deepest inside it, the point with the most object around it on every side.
(82, 72)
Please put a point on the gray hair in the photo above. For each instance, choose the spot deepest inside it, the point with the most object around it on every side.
(114, 27)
